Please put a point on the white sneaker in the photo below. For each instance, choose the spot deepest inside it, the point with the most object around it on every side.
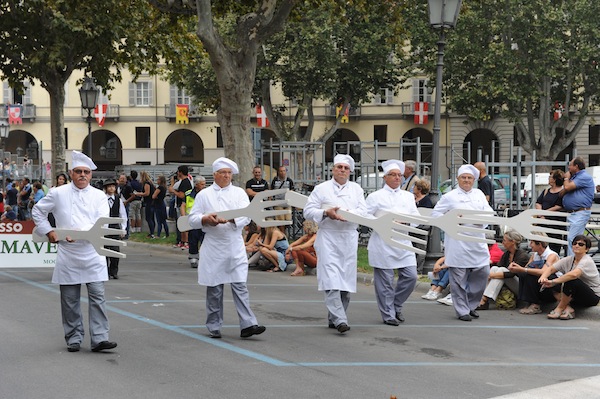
(428, 295)
(434, 295)
(447, 300)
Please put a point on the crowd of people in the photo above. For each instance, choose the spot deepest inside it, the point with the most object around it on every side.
(476, 274)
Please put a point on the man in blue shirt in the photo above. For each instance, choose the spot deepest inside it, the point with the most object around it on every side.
(578, 195)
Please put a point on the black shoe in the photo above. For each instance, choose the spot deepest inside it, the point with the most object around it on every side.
(73, 347)
(115, 277)
(214, 334)
(485, 306)
(474, 314)
(343, 327)
(104, 345)
(392, 322)
(400, 317)
(465, 317)
(331, 325)
(252, 330)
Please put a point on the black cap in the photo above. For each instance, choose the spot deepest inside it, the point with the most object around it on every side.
(108, 182)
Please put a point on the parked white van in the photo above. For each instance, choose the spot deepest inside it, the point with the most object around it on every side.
(594, 171)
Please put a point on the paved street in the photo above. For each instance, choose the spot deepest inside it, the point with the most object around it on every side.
(156, 310)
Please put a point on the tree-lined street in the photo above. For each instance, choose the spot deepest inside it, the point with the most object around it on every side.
(156, 310)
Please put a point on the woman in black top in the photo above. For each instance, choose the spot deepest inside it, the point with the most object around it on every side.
(421, 191)
(146, 195)
(550, 200)
(160, 208)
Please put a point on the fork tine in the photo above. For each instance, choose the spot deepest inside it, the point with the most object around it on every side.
(274, 203)
(397, 244)
(273, 212)
(464, 237)
(110, 253)
(395, 235)
(547, 230)
(113, 242)
(272, 223)
(411, 229)
(536, 237)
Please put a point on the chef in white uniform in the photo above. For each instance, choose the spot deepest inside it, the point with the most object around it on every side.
(385, 258)
(223, 254)
(77, 206)
(337, 241)
(468, 262)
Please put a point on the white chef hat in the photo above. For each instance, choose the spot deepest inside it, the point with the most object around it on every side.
(345, 159)
(468, 169)
(80, 159)
(221, 163)
(393, 164)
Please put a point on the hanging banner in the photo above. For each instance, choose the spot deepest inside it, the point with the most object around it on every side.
(17, 248)
(181, 116)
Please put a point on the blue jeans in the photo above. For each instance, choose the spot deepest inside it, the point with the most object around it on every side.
(577, 221)
(442, 281)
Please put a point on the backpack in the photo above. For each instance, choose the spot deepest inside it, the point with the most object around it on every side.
(506, 299)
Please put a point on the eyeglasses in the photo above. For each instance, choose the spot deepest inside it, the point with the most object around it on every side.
(394, 175)
(579, 243)
(342, 167)
(82, 171)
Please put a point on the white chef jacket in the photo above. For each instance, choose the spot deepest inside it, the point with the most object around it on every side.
(382, 255)
(78, 209)
(463, 254)
(223, 257)
(337, 242)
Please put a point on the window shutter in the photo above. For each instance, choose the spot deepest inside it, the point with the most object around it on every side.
(390, 96)
(150, 94)
(378, 98)
(173, 95)
(27, 92)
(6, 93)
(415, 90)
(131, 94)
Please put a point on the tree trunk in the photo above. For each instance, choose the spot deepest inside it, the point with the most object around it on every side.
(57, 123)
(235, 69)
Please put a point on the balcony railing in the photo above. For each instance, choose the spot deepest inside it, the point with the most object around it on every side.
(113, 111)
(354, 112)
(28, 111)
(171, 112)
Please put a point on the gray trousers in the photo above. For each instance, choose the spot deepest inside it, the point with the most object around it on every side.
(214, 306)
(72, 319)
(337, 303)
(389, 299)
(466, 287)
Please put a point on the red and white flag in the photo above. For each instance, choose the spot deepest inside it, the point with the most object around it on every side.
(261, 117)
(14, 114)
(558, 110)
(100, 113)
(421, 113)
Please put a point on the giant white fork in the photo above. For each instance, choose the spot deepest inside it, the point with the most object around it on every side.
(257, 211)
(389, 226)
(95, 235)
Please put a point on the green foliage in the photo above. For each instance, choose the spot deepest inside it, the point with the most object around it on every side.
(515, 59)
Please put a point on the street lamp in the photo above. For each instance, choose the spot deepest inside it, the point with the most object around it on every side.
(443, 14)
(88, 92)
(4, 132)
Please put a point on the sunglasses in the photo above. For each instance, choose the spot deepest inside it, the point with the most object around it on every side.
(82, 171)
(579, 243)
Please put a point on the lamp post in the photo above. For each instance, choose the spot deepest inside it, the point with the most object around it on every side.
(88, 92)
(443, 14)
(4, 132)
